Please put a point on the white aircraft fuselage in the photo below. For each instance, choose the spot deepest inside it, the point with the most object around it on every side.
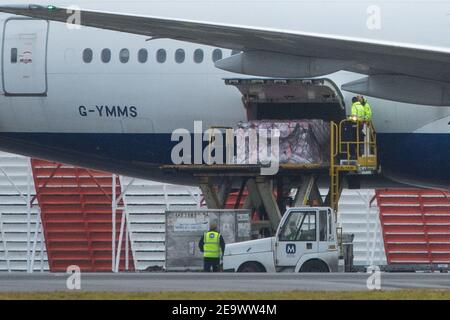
(119, 115)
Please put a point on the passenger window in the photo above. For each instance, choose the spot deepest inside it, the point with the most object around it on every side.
(106, 55)
(179, 56)
(13, 55)
(142, 56)
(216, 55)
(161, 56)
(124, 55)
(87, 55)
(198, 56)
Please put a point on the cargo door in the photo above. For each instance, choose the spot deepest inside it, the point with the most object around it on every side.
(297, 237)
(288, 99)
(24, 61)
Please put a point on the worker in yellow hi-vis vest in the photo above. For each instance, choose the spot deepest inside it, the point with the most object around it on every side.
(366, 107)
(351, 128)
(213, 247)
(366, 128)
(358, 112)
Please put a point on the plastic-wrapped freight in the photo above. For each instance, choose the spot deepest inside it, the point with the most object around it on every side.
(300, 141)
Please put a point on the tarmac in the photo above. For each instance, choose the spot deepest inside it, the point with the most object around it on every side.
(260, 282)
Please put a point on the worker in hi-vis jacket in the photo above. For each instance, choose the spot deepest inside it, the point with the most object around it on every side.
(351, 127)
(366, 108)
(213, 247)
(366, 127)
(358, 112)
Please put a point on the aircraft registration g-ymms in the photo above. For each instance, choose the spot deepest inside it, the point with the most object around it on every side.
(108, 95)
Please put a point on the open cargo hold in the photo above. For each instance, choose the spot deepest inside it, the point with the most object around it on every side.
(300, 141)
(301, 109)
(287, 99)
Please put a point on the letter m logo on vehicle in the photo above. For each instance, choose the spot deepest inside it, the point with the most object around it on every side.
(291, 248)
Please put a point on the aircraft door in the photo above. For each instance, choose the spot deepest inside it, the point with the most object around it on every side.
(24, 61)
(297, 236)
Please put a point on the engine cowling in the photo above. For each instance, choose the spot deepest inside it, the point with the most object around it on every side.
(272, 64)
(402, 89)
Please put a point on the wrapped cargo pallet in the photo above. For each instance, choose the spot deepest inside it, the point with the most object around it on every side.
(300, 141)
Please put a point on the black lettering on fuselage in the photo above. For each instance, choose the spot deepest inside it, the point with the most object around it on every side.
(100, 110)
(133, 112)
(111, 111)
(82, 111)
(122, 112)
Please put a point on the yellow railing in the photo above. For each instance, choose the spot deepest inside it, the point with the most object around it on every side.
(362, 145)
(355, 153)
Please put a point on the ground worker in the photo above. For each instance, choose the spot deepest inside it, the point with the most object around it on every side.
(367, 108)
(366, 127)
(358, 113)
(213, 247)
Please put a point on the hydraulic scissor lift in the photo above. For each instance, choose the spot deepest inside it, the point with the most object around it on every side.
(353, 152)
(354, 155)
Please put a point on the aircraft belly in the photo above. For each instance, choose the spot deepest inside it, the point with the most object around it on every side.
(418, 157)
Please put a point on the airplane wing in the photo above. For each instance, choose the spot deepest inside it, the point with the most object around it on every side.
(319, 54)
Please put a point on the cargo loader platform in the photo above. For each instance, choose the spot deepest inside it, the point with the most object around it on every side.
(269, 193)
(245, 170)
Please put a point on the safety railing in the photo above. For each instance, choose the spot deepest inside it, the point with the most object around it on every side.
(356, 143)
(353, 150)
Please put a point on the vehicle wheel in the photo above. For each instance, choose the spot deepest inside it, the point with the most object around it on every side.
(314, 266)
(251, 267)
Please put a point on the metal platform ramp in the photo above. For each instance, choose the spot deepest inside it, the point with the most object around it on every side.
(416, 226)
(76, 211)
(145, 204)
(359, 215)
(22, 244)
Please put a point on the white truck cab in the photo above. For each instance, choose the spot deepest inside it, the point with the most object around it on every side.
(305, 241)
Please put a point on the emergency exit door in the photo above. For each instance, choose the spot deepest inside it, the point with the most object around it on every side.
(24, 60)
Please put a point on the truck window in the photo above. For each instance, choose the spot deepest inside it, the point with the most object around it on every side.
(308, 228)
(330, 226)
(300, 226)
(323, 225)
(13, 55)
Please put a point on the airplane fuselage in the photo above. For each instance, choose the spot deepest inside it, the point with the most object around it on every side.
(111, 101)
